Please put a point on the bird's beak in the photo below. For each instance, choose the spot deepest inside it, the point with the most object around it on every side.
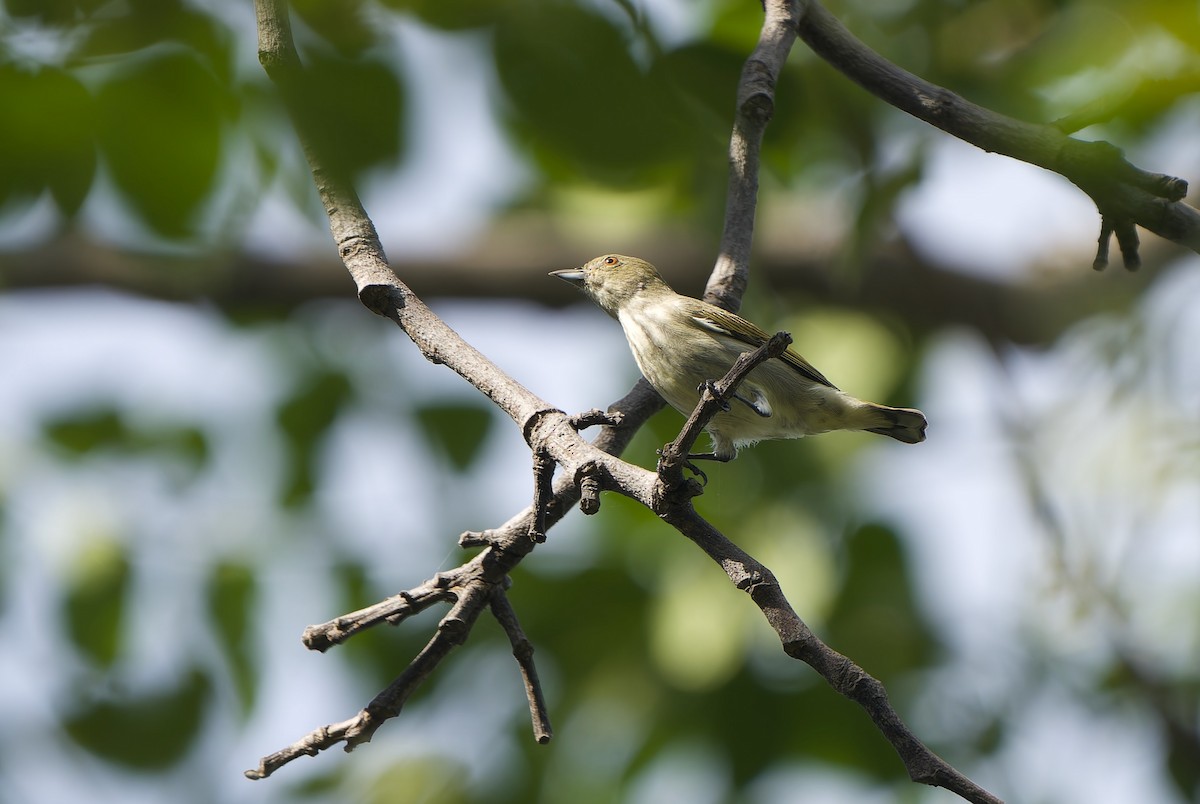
(572, 275)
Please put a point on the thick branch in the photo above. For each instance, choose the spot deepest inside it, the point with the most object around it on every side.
(358, 243)
(1121, 190)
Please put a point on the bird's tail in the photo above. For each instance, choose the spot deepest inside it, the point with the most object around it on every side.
(902, 424)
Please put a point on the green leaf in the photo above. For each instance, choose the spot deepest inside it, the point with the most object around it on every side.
(88, 431)
(146, 732)
(52, 144)
(151, 24)
(876, 619)
(353, 110)
(707, 74)
(160, 132)
(95, 600)
(456, 430)
(578, 95)
(419, 780)
(232, 596)
(304, 419)
(1183, 762)
(342, 24)
(457, 16)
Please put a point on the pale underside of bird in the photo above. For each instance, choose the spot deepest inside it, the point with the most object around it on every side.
(681, 343)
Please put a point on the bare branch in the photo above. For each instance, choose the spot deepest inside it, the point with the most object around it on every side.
(1121, 191)
(543, 474)
(588, 478)
(523, 652)
(595, 416)
(358, 243)
(755, 106)
(801, 643)
(554, 439)
(393, 611)
(451, 632)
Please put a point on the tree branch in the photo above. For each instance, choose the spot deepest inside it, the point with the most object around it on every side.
(755, 107)
(1122, 192)
(554, 438)
(522, 650)
(801, 643)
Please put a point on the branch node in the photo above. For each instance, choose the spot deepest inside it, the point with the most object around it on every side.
(457, 623)
(543, 493)
(588, 478)
(476, 538)
(752, 580)
(595, 416)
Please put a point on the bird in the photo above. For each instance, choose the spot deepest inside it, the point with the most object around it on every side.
(681, 344)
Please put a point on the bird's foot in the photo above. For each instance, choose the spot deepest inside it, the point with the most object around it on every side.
(763, 411)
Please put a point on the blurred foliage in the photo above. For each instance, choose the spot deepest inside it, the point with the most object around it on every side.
(155, 95)
(308, 412)
(232, 607)
(644, 646)
(95, 602)
(148, 731)
(458, 431)
(105, 429)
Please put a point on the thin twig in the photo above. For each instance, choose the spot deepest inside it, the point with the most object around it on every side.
(451, 632)
(522, 650)
(393, 611)
(1120, 190)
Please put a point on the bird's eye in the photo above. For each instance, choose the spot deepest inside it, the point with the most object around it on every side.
(611, 260)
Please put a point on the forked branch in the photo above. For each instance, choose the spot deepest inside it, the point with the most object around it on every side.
(480, 582)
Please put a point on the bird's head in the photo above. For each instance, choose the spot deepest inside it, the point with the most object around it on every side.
(613, 280)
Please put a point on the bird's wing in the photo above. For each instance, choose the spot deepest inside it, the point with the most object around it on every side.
(729, 325)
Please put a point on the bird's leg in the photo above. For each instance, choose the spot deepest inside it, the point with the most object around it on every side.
(704, 456)
(759, 405)
(709, 456)
(766, 414)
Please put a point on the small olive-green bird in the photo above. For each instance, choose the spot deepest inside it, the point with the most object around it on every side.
(680, 343)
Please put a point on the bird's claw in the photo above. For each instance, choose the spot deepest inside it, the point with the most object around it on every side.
(687, 464)
(697, 471)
